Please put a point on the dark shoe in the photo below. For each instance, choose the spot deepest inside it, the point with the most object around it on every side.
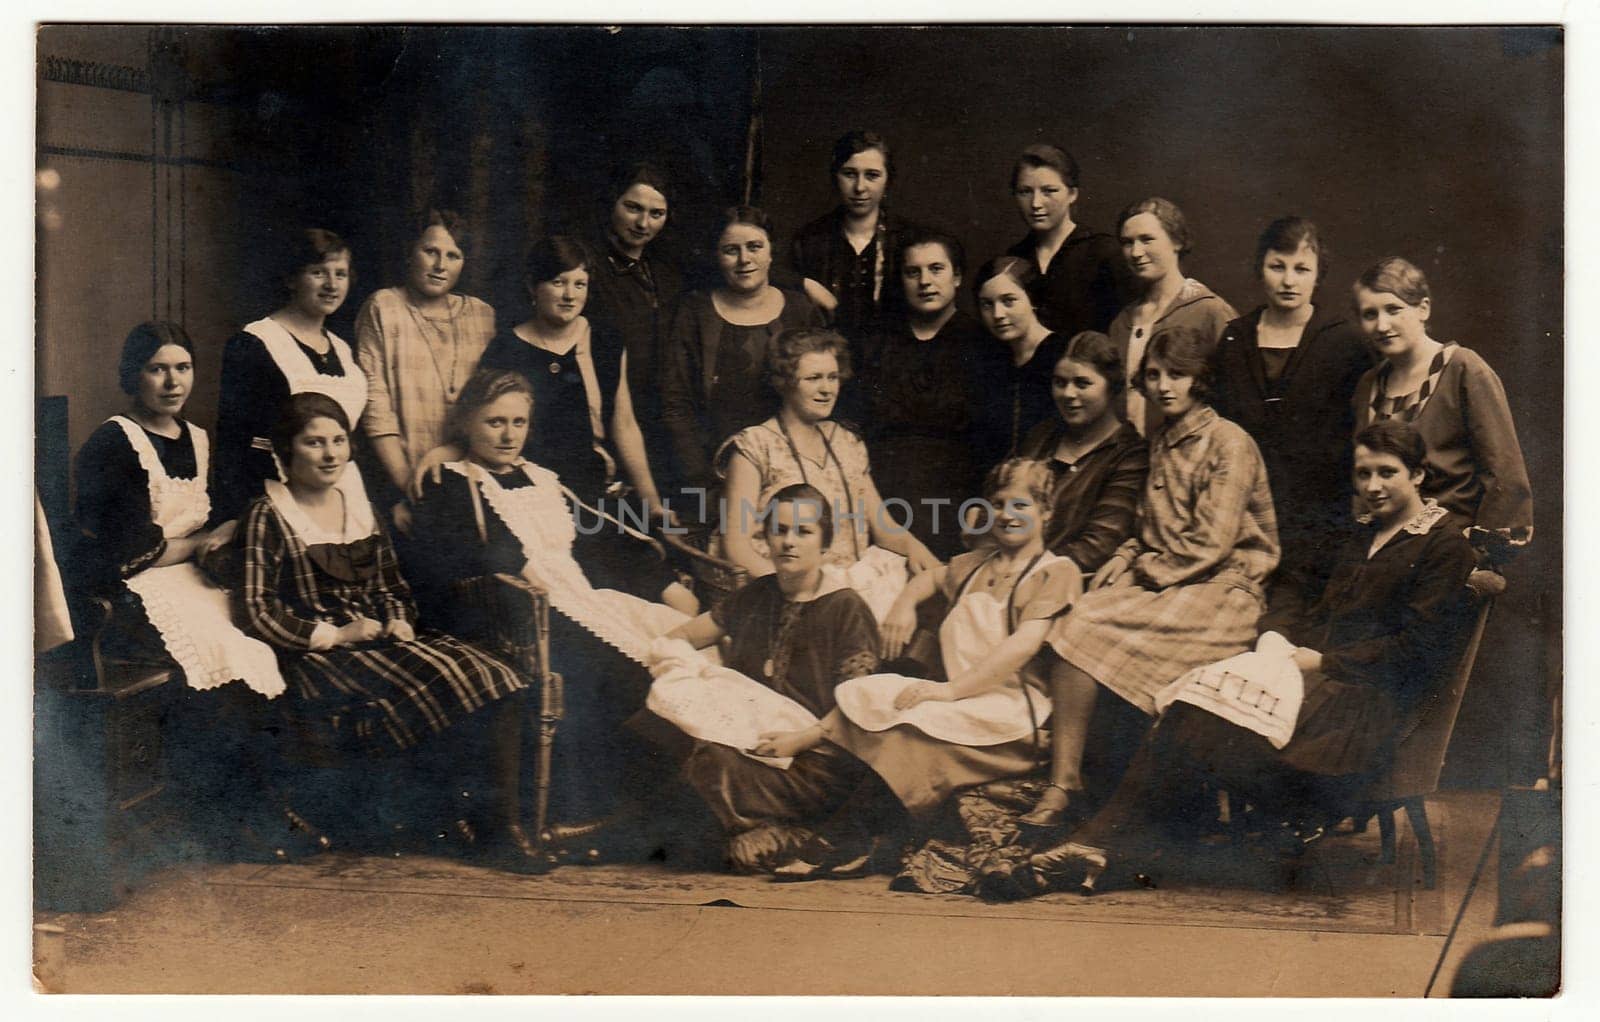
(822, 860)
(1069, 865)
(1050, 818)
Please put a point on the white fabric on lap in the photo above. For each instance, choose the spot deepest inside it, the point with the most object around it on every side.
(1260, 691)
(989, 718)
(197, 628)
(878, 578)
(720, 705)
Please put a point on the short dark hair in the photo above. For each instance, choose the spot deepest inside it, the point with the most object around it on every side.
(1398, 277)
(483, 387)
(860, 140)
(786, 348)
(302, 247)
(299, 410)
(1396, 437)
(1023, 271)
(141, 344)
(1042, 155)
(1100, 353)
(1167, 212)
(550, 257)
(1286, 234)
(753, 216)
(450, 220)
(930, 236)
(641, 173)
(804, 493)
(1186, 350)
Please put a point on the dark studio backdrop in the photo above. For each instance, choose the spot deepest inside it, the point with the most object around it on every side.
(180, 151)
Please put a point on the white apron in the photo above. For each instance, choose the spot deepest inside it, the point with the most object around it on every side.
(349, 390)
(191, 615)
(975, 626)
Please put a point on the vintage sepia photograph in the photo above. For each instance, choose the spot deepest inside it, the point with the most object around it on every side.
(960, 510)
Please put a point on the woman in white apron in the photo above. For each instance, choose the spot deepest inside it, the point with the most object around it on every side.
(288, 352)
(924, 739)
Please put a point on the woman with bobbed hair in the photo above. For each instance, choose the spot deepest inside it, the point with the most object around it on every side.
(1020, 399)
(1285, 372)
(713, 363)
(849, 258)
(802, 444)
(1453, 400)
(1083, 279)
(1155, 237)
(287, 352)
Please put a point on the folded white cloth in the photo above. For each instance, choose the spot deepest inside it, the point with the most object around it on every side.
(1260, 691)
(717, 704)
(197, 628)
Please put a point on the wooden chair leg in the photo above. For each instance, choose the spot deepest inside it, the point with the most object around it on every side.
(1386, 832)
(1417, 815)
(551, 710)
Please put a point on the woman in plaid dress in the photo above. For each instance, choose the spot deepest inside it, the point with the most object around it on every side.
(1186, 588)
(322, 586)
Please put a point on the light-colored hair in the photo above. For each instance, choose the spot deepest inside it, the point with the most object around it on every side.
(787, 348)
(483, 388)
(1398, 277)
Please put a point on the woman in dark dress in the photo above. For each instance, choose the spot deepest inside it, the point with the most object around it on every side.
(1285, 372)
(1392, 621)
(920, 387)
(1020, 399)
(1084, 280)
(849, 259)
(714, 363)
(288, 352)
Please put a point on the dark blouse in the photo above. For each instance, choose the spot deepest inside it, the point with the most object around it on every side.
(821, 253)
(1087, 284)
(631, 302)
(560, 435)
(118, 536)
(812, 646)
(1023, 399)
(253, 394)
(714, 379)
(1096, 498)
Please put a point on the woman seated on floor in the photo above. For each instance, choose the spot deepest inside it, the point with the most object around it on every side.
(497, 512)
(792, 637)
(322, 586)
(925, 739)
(803, 444)
(1390, 625)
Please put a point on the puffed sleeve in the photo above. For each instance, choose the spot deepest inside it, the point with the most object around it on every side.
(119, 536)
(1048, 592)
(380, 418)
(1223, 483)
(1507, 503)
(252, 396)
(1116, 507)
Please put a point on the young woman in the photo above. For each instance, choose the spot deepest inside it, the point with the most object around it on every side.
(494, 511)
(1022, 399)
(925, 739)
(142, 506)
(714, 360)
(288, 352)
(849, 259)
(1155, 236)
(418, 343)
(921, 384)
(1186, 588)
(802, 444)
(1286, 372)
(1392, 621)
(1083, 279)
(1452, 399)
(321, 586)
(799, 632)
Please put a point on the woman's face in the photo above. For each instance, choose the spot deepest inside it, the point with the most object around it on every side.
(1017, 517)
(637, 217)
(164, 381)
(1006, 309)
(1289, 278)
(495, 434)
(1043, 198)
(744, 254)
(1393, 326)
(318, 289)
(1385, 487)
(1148, 248)
(561, 299)
(862, 181)
(435, 263)
(930, 279)
(319, 454)
(794, 537)
(1082, 395)
(1173, 392)
(815, 387)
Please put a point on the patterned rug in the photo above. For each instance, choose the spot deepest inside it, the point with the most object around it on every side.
(1339, 886)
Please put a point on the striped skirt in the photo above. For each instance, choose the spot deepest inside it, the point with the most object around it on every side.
(384, 696)
(1137, 641)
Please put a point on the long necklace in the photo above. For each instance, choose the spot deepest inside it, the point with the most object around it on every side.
(455, 345)
(769, 666)
(849, 498)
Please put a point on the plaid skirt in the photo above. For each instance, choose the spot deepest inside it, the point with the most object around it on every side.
(1137, 641)
(384, 696)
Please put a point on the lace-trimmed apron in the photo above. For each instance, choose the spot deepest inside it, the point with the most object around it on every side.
(976, 625)
(540, 519)
(192, 615)
(349, 390)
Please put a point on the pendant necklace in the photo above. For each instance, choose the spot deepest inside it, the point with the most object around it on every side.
(454, 343)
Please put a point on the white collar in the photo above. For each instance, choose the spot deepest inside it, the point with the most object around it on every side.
(359, 522)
